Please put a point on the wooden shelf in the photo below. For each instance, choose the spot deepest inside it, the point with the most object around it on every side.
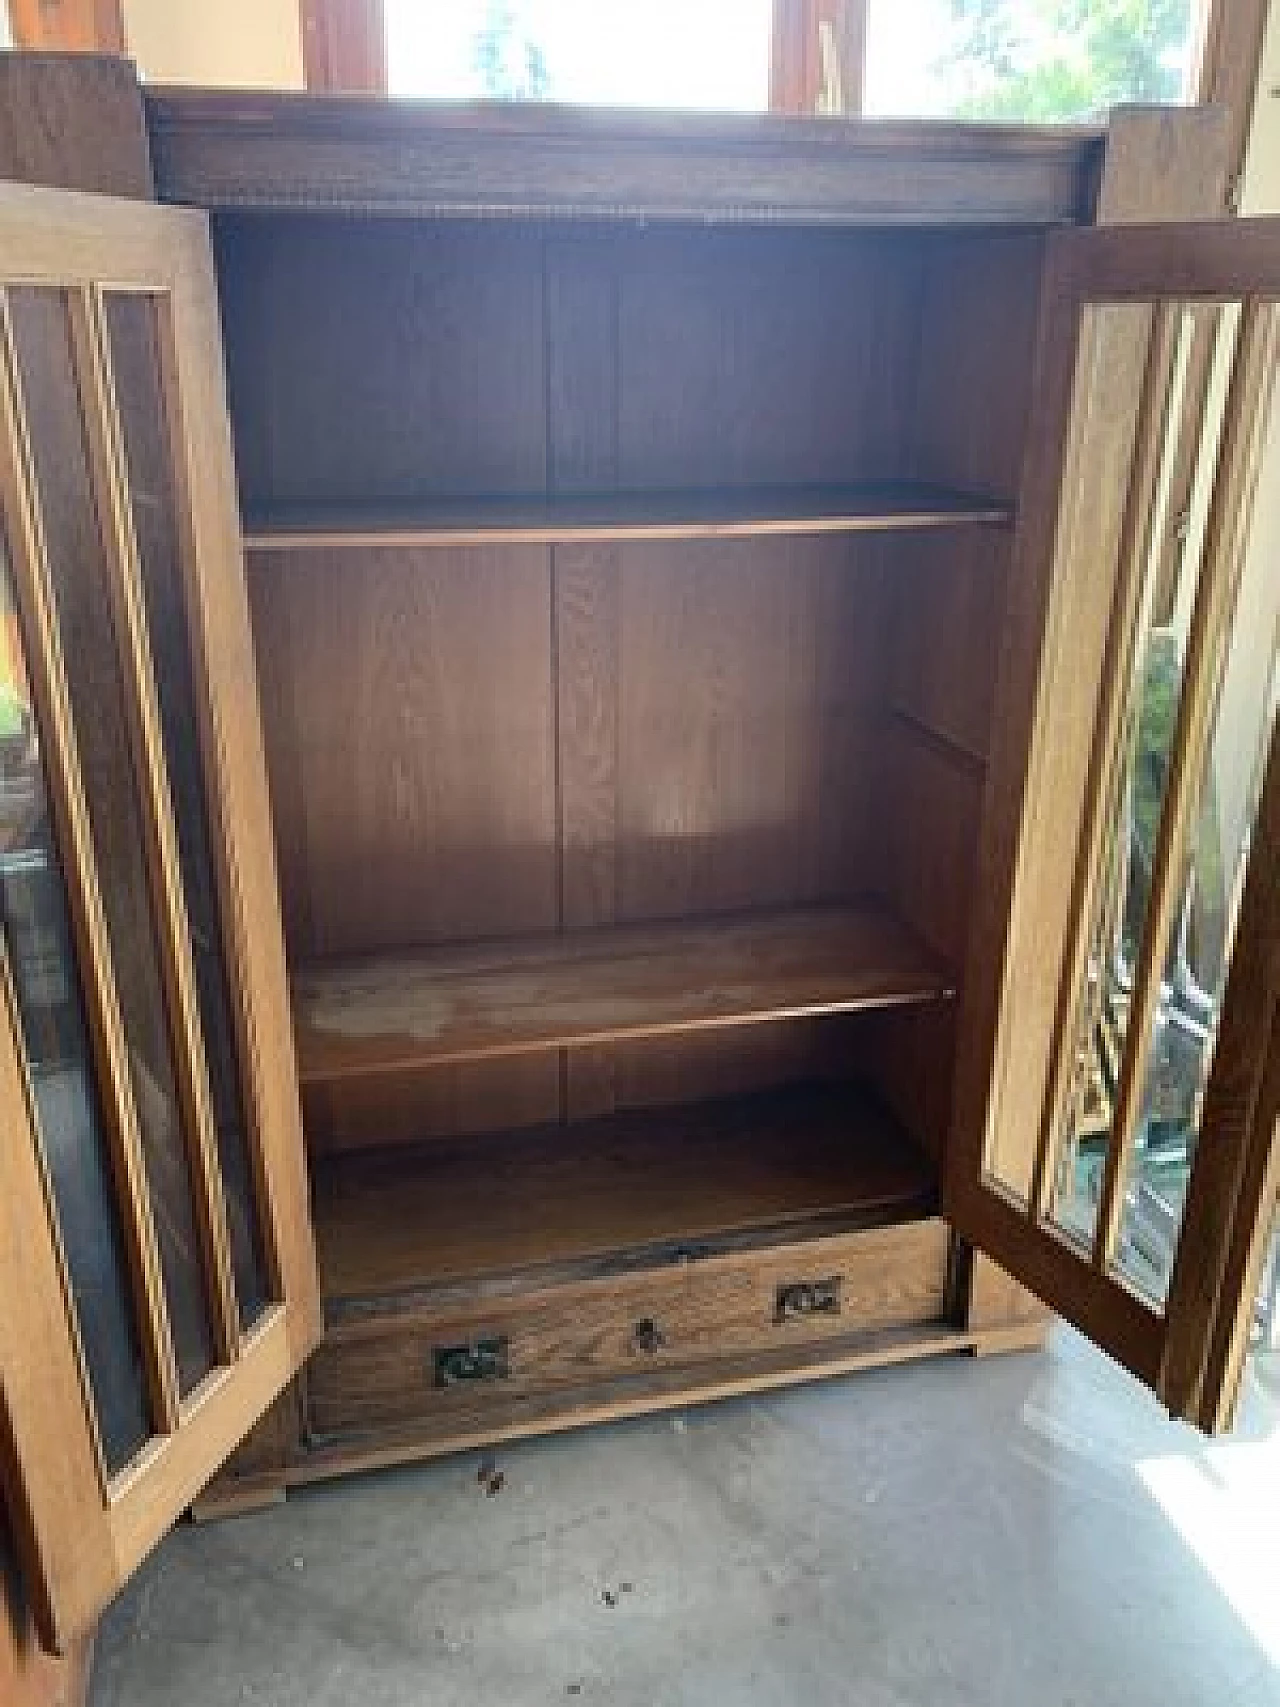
(514, 997)
(747, 514)
(776, 1163)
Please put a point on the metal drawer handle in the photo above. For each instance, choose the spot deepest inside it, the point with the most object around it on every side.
(647, 1336)
(481, 1360)
(807, 1298)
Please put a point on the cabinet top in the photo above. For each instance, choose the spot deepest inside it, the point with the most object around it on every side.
(419, 158)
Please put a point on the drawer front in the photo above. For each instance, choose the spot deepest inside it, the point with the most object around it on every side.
(396, 1370)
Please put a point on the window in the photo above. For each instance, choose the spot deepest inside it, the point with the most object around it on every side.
(1034, 60)
(711, 54)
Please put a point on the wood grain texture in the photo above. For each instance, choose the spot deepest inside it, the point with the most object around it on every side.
(423, 788)
(513, 996)
(73, 122)
(774, 358)
(318, 318)
(682, 1316)
(228, 149)
(1046, 697)
(397, 1222)
(488, 1424)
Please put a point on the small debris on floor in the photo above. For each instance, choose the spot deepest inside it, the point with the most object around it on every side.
(611, 1596)
(298, 1563)
(489, 1477)
(573, 1689)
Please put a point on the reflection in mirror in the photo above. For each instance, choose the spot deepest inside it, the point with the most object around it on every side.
(46, 992)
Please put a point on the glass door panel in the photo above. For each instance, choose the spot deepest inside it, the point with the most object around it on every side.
(85, 626)
(1112, 1153)
(155, 1243)
(39, 955)
(136, 355)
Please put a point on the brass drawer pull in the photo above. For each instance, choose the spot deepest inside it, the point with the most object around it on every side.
(647, 1336)
(481, 1360)
(807, 1298)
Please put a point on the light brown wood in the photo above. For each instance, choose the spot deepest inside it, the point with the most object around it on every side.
(33, 584)
(68, 26)
(510, 997)
(1133, 266)
(228, 149)
(384, 1372)
(626, 516)
(1246, 422)
(759, 1372)
(1229, 1217)
(403, 1220)
(30, 1677)
(106, 453)
(82, 1538)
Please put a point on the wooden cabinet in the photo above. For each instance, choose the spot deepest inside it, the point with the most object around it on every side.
(702, 578)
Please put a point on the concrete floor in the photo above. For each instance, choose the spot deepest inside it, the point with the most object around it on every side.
(1022, 1532)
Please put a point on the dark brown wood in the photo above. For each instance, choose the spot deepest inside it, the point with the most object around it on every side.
(750, 514)
(73, 122)
(230, 149)
(405, 1221)
(344, 46)
(524, 995)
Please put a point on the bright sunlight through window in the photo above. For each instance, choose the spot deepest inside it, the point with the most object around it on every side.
(711, 54)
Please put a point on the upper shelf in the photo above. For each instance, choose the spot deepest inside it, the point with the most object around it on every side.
(468, 1003)
(748, 514)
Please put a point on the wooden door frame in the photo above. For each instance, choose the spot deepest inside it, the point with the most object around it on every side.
(84, 1531)
(1034, 908)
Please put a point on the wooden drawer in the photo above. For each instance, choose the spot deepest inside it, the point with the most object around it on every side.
(424, 1365)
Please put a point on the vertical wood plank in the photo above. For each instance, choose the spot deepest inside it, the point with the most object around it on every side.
(344, 46)
(581, 284)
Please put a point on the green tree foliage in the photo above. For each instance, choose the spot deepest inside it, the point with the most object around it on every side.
(508, 57)
(1052, 60)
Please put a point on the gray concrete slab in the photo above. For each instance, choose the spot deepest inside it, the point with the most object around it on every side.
(1022, 1532)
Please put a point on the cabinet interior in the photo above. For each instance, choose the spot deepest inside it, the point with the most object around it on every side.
(627, 604)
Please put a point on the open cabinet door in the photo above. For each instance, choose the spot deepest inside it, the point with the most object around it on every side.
(157, 1272)
(1115, 1146)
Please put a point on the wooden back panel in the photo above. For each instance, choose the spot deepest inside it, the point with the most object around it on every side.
(471, 742)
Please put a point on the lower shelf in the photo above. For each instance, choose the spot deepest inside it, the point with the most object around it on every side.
(448, 1221)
